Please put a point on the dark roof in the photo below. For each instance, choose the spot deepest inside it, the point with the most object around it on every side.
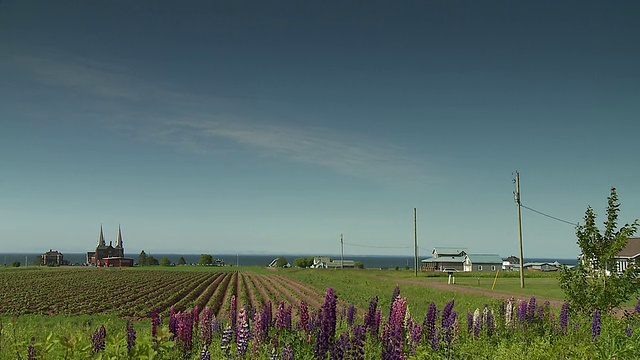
(632, 249)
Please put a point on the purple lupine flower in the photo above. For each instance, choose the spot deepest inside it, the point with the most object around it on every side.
(477, 323)
(216, 326)
(531, 309)
(98, 339)
(155, 322)
(31, 350)
(370, 317)
(392, 348)
(446, 312)
(287, 317)
(287, 352)
(564, 317)
(503, 308)
(327, 331)
(242, 338)
(451, 330)
(376, 323)
(196, 316)
(469, 322)
(636, 310)
(225, 343)
(358, 334)
(522, 311)
(204, 354)
(205, 327)
(351, 314)
(173, 322)
(131, 336)
(490, 323)
(596, 324)
(429, 324)
(304, 316)
(415, 334)
(232, 312)
(628, 331)
(341, 348)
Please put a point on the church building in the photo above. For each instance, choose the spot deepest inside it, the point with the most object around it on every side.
(108, 255)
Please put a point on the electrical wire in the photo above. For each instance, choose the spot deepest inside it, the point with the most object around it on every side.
(380, 247)
(549, 216)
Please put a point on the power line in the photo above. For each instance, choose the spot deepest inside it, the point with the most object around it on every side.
(380, 247)
(549, 216)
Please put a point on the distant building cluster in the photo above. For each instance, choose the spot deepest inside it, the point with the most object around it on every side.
(458, 259)
(109, 255)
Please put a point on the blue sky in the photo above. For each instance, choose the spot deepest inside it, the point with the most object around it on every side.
(273, 127)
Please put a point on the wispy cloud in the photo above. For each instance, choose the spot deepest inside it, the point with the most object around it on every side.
(197, 123)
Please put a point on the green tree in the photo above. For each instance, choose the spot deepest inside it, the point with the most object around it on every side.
(281, 262)
(358, 265)
(205, 259)
(151, 261)
(595, 282)
(15, 264)
(181, 261)
(303, 262)
(142, 259)
(165, 261)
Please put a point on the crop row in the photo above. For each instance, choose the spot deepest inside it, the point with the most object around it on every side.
(134, 293)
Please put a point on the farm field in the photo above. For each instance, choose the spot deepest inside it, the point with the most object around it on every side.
(345, 314)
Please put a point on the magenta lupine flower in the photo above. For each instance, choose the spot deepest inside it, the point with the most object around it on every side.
(596, 324)
(564, 317)
(392, 345)
(280, 316)
(370, 317)
(327, 330)
(242, 338)
(205, 327)
(531, 309)
(155, 322)
(394, 296)
(263, 322)
(351, 314)
(185, 331)
(131, 336)
(225, 343)
(430, 325)
(98, 339)
(304, 316)
(357, 342)
(196, 316)
(232, 312)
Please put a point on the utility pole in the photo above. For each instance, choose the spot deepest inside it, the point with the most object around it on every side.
(415, 241)
(518, 204)
(341, 253)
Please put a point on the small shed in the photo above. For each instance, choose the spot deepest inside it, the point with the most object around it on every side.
(117, 262)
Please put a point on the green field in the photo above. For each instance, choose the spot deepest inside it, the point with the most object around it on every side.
(59, 310)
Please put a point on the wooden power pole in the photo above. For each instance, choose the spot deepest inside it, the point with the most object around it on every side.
(415, 242)
(518, 204)
(341, 253)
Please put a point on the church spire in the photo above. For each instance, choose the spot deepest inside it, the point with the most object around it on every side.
(101, 238)
(119, 239)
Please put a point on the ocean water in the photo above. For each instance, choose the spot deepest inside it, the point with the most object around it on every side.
(369, 261)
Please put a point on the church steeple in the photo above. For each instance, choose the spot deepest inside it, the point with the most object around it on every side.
(119, 239)
(101, 238)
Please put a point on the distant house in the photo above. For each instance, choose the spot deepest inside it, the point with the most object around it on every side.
(52, 258)
(274, 263)
(445, 258)
(482, 262)
(325, 262)
(629, 255)
(542, 266)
